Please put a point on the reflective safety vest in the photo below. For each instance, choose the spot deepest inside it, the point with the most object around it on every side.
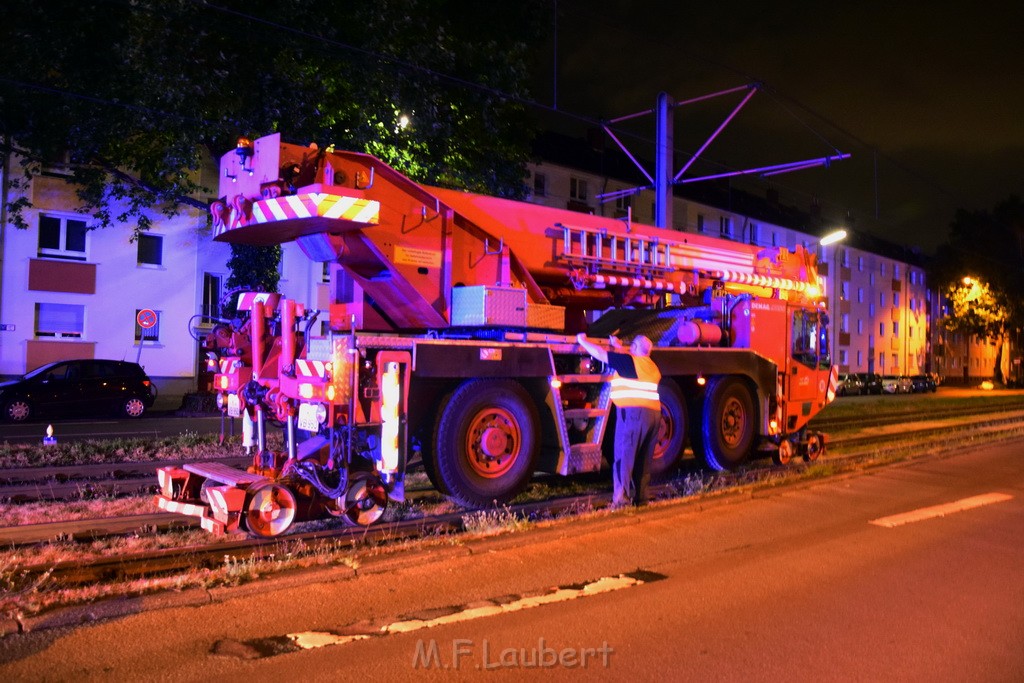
(641, 392)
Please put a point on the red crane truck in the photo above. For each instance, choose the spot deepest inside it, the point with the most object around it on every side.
(450, 337)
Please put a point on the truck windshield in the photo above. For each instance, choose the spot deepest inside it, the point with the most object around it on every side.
(810, 339)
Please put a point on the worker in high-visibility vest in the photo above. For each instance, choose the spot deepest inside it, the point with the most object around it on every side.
(634, 391)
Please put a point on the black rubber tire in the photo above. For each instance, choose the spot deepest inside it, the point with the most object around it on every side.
(675, 424)
(501, 409)
(725, 433)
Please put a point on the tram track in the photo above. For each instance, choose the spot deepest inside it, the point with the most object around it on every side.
(845, 454)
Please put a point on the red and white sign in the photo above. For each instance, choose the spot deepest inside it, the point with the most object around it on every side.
(146, 318)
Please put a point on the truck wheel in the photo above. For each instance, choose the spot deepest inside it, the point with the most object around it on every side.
(672, 432)
(485, 443)
(725, 432)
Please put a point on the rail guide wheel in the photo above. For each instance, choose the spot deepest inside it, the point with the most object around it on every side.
(365, 500)
(784, 455)
(269, 510)
(814, 448)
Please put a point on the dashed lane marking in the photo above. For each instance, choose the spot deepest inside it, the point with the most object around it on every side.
(940, 510)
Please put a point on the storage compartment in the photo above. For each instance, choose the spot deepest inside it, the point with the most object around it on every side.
(488, 306)
(545, 317)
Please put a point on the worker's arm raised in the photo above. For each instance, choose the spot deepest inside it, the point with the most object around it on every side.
(592, 348)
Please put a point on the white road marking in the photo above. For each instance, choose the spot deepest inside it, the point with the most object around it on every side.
(310, 640)
(941, 510)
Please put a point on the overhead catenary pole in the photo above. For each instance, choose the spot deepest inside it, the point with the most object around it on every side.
(663, 180)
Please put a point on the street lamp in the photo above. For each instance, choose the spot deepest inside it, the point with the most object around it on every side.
(833, 237)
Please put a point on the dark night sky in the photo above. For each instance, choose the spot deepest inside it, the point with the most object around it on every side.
(936, 88)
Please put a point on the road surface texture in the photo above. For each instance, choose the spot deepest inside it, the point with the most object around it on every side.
(830, 581)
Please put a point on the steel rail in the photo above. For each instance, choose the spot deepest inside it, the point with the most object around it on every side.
(167, 560)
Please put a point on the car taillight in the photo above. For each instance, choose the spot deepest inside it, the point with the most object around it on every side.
(145, 382)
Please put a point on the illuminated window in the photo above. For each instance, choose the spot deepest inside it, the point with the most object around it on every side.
(63, 321)
(151, 250)
(62, 238)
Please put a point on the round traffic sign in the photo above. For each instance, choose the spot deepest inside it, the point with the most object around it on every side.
(146, 318)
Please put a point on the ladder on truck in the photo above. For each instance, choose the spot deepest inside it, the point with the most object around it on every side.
(582, 453)
(596, 246)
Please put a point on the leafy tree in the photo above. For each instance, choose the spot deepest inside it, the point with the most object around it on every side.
(138, 92)
(981, 270)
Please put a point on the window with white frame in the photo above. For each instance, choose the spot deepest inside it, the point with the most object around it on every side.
(725, 227)
(61, 321)
(151, 250)
(212, 287)
(63, 238)
(578, 189)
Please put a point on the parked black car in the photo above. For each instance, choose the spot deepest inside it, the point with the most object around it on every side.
(872, 382)
(850, 385)
(923, 383)
(77, 387)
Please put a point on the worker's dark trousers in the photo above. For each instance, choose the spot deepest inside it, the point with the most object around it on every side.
(636, 431)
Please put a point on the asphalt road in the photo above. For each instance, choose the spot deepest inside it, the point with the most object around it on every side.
(801, 583)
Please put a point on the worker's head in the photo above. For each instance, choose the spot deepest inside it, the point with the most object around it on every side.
(641, 345)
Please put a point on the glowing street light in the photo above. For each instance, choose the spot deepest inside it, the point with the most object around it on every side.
(833, 237)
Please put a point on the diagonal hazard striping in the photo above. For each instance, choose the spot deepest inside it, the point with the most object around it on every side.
(310, 640)
(940, 510)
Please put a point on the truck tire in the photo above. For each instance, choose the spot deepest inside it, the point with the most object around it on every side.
(725, 432)
(675, 424)
(485, 444)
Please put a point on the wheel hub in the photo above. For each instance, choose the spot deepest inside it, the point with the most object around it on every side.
(493, 442)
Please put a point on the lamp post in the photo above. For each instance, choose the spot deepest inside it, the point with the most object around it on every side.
(829, 239)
